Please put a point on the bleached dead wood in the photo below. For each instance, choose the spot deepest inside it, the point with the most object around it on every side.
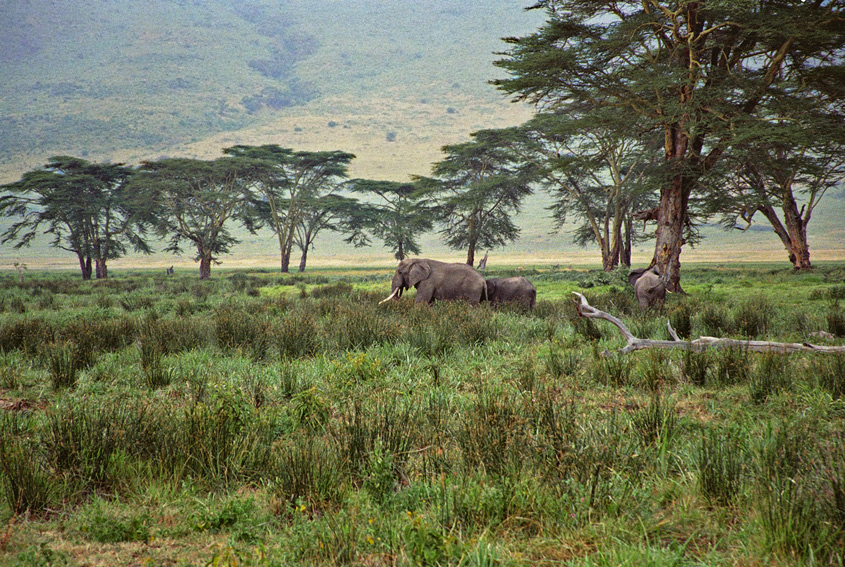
(698, 345)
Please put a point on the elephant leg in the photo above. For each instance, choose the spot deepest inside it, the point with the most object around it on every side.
(425, 294)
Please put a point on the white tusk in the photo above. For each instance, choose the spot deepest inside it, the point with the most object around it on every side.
(389, 297)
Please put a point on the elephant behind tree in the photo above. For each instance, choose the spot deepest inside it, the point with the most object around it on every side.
(649, 288)
(517, 290)
(435, 280)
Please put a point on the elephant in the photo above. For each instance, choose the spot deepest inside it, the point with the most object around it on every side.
(516, 289)
(648, 286)
(437, 280)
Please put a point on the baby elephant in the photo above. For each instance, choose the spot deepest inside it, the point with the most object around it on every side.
(648, 287)
(516, 289)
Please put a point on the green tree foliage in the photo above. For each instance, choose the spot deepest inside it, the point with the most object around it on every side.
(195, 199)
(398, 219)
(291, 183)
(595, 172)
(85, 206)
(331, 212)
(796, 160)
(701, 73)
(476, 190)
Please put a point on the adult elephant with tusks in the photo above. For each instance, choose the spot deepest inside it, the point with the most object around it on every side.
(512, 290)
(435, 280)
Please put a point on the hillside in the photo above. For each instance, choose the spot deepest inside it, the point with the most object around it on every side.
(126, 80)
(391, 82)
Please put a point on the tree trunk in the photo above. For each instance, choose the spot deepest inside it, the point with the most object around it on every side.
(609, 259)
(797, 227)
(285, 261)
(625, 256)
(400, 252)
(793, 235)
(671, 216)
(471, 252)
(302, 259)
(101, 269)
(85, 266)
(205, 266)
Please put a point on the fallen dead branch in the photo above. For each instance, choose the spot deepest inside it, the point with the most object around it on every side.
(698, 345)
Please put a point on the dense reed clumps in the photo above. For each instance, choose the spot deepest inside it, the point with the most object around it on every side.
(307, 425)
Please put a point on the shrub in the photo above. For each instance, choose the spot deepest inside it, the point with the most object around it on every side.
(720, 464)
(237, 330)
(730, 366)
(657, 423)
(308, 473)
(81, 440)
(296, 334)
(28, 335)
(770, 375)
(695, 366)
(26, 483)
(752, 317)
(829, 370)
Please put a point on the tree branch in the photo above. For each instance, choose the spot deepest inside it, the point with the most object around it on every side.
(700, 344)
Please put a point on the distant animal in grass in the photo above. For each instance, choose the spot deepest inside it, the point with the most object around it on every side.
(512, 290)
(649, 288)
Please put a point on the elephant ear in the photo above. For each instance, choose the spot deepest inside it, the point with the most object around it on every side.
(634, 275)
(418, 273)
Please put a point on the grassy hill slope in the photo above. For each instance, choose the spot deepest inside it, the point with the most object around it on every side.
(391, 82)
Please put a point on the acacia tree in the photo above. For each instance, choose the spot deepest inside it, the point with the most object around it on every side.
(85, 206)
(330, 212)
(290, 182)
(476, 190)
(798, 160)
(696, 71)
(398, 219)
(595, 174)
(196, 199)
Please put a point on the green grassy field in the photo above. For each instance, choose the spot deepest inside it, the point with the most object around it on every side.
(267, 419)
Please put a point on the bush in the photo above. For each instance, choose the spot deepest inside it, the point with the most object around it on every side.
(26, 483)
(296, 334)
(769, 376)
(237, 330)
(730, 366)
(696, 365)
(720, 464)
(308, 473)
(27, 335)
(752, 317)
(81, 440)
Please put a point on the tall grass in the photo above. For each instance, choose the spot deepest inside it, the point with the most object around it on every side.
(318, 427)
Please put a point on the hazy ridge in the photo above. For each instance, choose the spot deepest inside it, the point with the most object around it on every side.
(391, 82)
